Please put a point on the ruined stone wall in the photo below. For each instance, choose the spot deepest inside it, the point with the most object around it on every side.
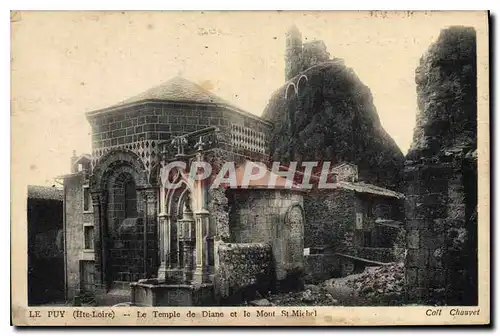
(242, 270)
(441, 262)
(262, 216)
(330, 219)
(441, 175)
(255, 214)
(219, 208)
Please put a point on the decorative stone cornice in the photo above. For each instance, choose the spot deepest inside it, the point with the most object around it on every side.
(148, 152)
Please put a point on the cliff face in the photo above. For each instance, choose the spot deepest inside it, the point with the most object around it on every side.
(329, 115)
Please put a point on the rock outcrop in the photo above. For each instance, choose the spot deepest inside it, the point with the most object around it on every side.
(327, 114)
(446, 88)
(441, 175)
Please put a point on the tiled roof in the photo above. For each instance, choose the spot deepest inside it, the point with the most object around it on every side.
(48, 193)
(177, 89)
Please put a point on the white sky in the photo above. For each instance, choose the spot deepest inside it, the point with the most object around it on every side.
(67, 63)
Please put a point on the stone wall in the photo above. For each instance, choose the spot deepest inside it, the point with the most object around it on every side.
(151, 121)
(242, 270)
(261, 216)
(330, 219)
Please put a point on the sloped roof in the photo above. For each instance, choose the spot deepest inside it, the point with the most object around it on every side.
(269, 180)
(366, 188)
(48, 193)
(83, 157)
(177, 89)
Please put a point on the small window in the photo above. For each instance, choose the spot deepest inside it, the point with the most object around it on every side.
(359, 221)
(87, 200)
(88, 232)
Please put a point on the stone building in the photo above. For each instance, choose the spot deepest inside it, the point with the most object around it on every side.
(350, 224)
(300, 56)
(354, 217)
(123, 225)
(45, 245)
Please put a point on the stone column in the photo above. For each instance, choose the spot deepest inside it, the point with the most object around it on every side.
(186, 234)
(161, 235)
(201, 273)
(99, 199)
(150, 239)
(165, 240)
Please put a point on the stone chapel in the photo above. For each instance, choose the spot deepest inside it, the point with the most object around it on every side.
(122, 226)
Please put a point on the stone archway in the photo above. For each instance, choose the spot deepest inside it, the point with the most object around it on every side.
(175, 201)
(124, 219)
(107, 164)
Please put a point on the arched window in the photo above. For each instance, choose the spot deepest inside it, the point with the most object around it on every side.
(301, 85)
(130, 199)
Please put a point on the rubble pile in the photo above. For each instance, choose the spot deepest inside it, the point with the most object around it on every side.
(380, 285)
(312, 295)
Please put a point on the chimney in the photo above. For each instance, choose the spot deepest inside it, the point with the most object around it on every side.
(74, 168)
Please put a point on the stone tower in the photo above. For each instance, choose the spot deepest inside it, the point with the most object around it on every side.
(293, 52)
